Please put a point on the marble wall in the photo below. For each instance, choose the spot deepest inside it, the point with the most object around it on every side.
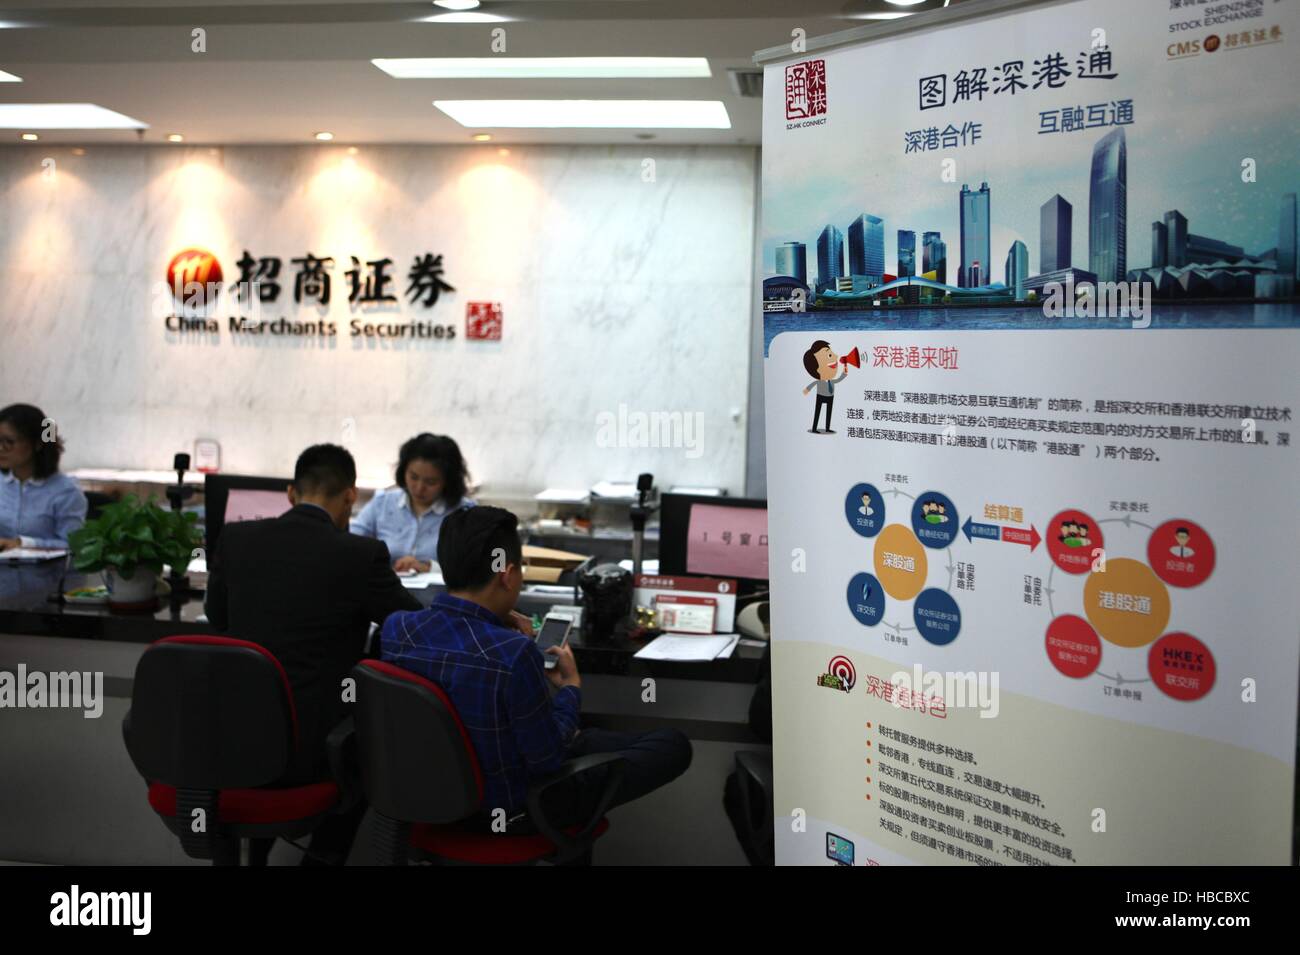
(625, 286)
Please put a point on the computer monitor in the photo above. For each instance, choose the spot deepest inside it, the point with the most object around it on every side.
(230, 498)
(711, 536)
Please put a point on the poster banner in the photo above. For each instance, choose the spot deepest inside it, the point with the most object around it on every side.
(1031, 350)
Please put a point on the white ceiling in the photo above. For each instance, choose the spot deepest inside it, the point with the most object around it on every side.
(277, 71)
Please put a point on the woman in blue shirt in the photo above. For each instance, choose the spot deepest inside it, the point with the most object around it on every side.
(39, 505)
(431, 479)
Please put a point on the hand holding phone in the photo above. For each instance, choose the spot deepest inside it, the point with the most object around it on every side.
(554, 633)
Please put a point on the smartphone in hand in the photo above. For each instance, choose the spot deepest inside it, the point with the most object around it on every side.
(554, 633)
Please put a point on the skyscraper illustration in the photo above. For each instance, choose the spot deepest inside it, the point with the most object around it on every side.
(1108, 208)
(1159, 245)
(792, 259)
(1175, 239)
(934, 255)
(830, 257)
(1055, 226)
(1286, 236)
(867, 246)
(974, 236)
(1017, 269)
(906, 252)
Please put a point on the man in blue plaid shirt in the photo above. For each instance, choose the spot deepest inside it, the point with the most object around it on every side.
(521, 718)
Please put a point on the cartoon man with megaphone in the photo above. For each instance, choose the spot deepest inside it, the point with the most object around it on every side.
(822, 363)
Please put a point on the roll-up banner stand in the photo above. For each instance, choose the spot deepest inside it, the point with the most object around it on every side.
(1032, 352)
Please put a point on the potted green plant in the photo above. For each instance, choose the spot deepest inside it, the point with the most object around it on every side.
(130, 541)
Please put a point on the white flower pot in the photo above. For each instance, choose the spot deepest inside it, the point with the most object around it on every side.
(140, 589)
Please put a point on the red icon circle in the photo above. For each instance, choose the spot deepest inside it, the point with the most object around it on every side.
(193, 276)
(1072, 537)
(1181, 666)
(842, 667)
(1073, 646)
(1181, 553)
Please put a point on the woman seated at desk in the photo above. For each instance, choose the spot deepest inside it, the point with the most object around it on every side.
(431, 480)
(39, 504)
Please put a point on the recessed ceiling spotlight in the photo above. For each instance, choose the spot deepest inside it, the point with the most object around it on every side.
(175, 138)
(465, 16)
(324, 137)
(456, 4)
(78, 151)
(482, 137)
(30, 137)
(503, 151)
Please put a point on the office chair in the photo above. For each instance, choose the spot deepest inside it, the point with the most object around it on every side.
(422, 780)
(211, 723)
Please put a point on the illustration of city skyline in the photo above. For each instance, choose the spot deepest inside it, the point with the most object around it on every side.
(1169, 239)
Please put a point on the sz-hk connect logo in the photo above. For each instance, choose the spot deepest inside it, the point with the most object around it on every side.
(805, 94)
(77, 908)
(194, 277)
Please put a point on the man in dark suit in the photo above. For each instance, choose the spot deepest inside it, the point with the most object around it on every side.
(305, 589)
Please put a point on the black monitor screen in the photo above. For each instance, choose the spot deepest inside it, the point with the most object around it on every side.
(229, 498)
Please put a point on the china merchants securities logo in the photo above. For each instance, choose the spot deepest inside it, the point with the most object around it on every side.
(195, 270)
(805, 90)
(839, 675)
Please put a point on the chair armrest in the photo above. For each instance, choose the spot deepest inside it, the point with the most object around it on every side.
(341, 746)
(571, 768)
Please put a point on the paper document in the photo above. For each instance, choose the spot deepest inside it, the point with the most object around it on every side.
(559, 495)
(672, 646)
(419, 581)
(619, 490)
(33, 554)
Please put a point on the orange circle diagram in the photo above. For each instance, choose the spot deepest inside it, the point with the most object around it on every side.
(900, 562)
(1126, 602)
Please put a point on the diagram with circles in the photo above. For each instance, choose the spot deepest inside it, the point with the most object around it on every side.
(1125, 578)
(897, 593)
(1122, 574)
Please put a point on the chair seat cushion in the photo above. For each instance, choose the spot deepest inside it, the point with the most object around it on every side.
(253, 806)
(487, 848)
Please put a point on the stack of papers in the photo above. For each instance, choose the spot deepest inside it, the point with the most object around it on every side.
(619, 490)
(674, 646)
(549, 590)
(559, 495)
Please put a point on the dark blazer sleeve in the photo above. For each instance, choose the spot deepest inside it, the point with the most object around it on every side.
(216, 602)
(384, 591)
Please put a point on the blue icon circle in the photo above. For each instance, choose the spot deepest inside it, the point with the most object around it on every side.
(934, 520)
(866, 599)
(937, 616)
(867, 517)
